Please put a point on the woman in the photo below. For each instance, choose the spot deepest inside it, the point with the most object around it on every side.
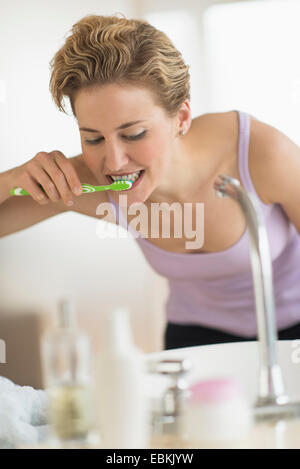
(129, 91)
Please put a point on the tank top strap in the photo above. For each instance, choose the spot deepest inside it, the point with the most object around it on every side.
(243, 157)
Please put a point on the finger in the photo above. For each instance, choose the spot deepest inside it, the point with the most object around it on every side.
(69, 171)
(34, 189)
(42, 177)
(57, 177)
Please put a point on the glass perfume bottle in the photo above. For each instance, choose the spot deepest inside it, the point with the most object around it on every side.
(68, 378)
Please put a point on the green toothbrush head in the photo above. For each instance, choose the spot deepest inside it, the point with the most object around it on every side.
(120, 185)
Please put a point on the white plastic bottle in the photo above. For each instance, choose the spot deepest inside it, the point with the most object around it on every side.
(123, 407)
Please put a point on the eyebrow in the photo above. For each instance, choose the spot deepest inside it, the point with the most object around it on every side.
(123, 126)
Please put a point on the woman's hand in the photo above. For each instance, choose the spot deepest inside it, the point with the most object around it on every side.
(48, 176)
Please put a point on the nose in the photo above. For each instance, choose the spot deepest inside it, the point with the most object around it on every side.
(116, 157)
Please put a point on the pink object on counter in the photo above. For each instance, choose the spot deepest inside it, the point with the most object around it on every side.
(214, 390)
(217, 411)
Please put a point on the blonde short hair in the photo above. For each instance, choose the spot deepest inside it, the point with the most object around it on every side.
(110, 49)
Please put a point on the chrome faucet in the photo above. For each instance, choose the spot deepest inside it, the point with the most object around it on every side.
(272, 400)
(168, 417)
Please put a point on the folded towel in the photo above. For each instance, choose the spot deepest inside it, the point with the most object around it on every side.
(23, 414)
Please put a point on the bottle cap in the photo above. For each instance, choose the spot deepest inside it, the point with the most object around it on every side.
(66, 314)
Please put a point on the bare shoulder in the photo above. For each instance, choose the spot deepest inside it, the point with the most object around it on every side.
(88, 204)
(217, 121)
(262, 139)
(217, 132)
(269, 152)
(263, 134)
(275, 164)
(267, 148)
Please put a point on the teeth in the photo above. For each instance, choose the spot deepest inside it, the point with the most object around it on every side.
(133, 177)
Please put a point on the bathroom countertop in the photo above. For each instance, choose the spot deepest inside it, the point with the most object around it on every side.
(280, 435)
(229, 360)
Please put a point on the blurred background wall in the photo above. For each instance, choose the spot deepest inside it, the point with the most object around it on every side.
(242, 55)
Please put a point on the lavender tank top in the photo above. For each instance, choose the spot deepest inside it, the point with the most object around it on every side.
(216, 289)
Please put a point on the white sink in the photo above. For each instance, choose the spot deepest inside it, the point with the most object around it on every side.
(241, 361)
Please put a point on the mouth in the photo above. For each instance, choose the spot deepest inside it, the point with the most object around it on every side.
(135, 178)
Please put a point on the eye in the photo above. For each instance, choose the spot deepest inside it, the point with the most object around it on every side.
(93, 142)
(136, 137)
(129, 137)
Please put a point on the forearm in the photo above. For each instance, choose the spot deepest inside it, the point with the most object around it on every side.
(6, 183)
(17, 213)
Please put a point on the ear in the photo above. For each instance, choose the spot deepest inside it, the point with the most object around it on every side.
(184, 117)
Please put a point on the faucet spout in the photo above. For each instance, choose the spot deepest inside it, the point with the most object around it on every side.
(271, 387)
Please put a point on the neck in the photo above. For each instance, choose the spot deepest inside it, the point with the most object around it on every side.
(186, 175)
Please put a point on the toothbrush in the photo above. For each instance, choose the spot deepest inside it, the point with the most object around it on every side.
(115, 186)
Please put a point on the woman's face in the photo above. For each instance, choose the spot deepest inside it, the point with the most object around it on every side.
(128, 133)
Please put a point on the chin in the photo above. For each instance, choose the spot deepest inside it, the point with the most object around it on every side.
(136, 198)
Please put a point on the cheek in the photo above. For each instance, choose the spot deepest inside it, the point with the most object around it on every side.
(154, 153)
(91, 158)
